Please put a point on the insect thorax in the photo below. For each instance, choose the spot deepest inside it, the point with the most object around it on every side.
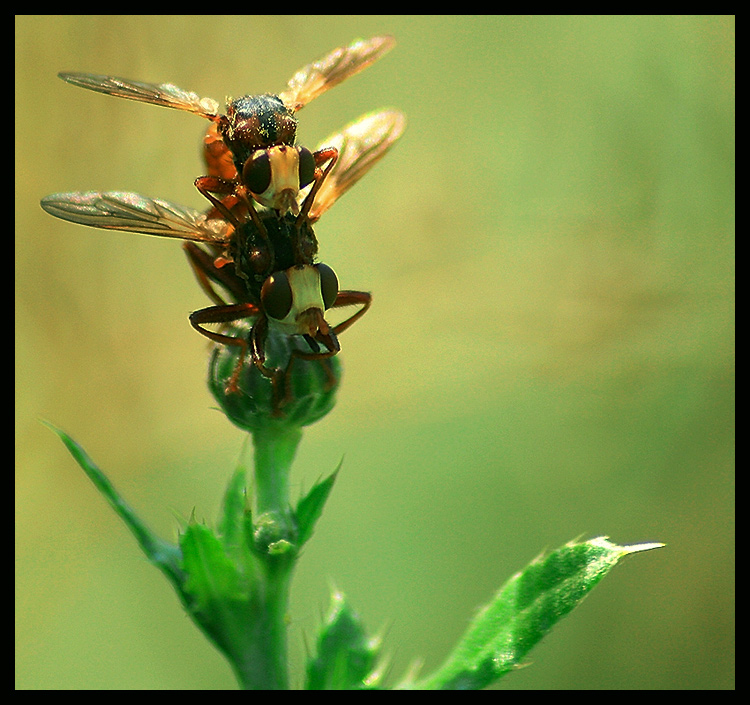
(257, 122)
(288, 244)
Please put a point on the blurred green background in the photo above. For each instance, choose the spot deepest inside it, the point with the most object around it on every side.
(550, 353)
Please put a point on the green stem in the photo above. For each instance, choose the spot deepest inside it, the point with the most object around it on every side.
(263, 666)
(275, 447)
(266, 668)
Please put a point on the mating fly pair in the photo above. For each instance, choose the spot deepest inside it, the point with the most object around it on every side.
(271, 193)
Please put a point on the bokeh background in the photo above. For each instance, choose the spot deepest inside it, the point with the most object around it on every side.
(550, 353)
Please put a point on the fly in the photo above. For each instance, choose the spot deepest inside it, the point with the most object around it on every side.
(250, 150)
(274, 279)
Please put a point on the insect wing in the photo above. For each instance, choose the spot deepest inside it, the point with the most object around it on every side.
(316, 78)
(130, 212)
(361, 144)
(165, 94)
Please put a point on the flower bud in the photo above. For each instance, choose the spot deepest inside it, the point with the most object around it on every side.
(305, 392)
(272, 535)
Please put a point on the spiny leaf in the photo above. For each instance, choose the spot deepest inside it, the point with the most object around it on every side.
(161, 553)
(523, 611)
(232, 519)
(211, 576)
(311, 506)
(345, 656)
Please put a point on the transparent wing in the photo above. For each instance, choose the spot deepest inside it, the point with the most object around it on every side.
(120, 210)
(361, 144)
(316, 78)
(166, 94)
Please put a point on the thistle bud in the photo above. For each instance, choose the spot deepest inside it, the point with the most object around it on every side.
(306, 390)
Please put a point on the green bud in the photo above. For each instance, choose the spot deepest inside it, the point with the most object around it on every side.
(306, 393)
(273, 534)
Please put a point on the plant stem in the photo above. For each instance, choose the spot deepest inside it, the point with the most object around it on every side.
(275, 447)
(265, 667)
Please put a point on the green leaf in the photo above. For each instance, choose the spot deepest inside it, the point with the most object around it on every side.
(231, 528)
(163, 554)
(345, 656)
(311, 506)
(218, 596)
(231, 523)
(523, 611)
(211, 577)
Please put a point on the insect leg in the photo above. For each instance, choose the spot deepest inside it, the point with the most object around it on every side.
(322, 357)
(330, 340)
(227, 314)
(351, 298)
(330, 154)
(200, 261)
(236, 193)
(208, 185)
